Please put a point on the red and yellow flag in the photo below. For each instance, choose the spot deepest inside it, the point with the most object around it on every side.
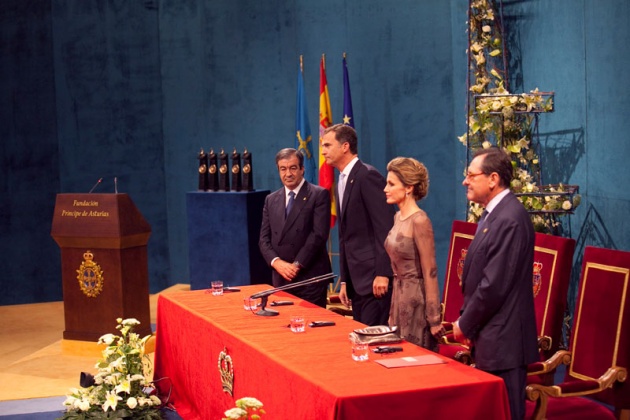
(326, 172)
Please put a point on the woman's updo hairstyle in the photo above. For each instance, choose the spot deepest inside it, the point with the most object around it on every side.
(411, 173)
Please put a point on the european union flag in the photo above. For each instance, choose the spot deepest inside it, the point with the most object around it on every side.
(348, 118)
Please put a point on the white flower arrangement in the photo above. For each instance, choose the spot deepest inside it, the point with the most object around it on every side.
(120, 389)
(247, 408)
(499, 117)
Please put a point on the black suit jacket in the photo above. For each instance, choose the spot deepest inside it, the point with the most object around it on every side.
(363, 225)
(498, 311)
(302, 236)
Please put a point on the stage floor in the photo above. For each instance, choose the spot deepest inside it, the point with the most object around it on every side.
(35, 361)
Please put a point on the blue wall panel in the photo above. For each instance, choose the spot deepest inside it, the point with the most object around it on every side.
(133, 90)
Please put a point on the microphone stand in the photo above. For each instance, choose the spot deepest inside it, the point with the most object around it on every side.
(264, 295)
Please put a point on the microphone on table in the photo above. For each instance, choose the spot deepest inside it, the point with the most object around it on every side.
(95, 185)
(264, 295)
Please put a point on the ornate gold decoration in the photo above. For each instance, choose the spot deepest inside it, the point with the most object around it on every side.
(223, 169)
(90, 276)
(226, 371)
(212, 169)
(236, 169)
(537, 277)
(460, 264)
(247, 168)
(202, 169)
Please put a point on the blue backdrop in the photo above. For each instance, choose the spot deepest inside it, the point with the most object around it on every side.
(134, 88)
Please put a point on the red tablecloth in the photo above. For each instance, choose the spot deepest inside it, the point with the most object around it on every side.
(302, 376)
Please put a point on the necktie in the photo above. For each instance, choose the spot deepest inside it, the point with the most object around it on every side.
(341, 187)
(482, 220)
(289, 204)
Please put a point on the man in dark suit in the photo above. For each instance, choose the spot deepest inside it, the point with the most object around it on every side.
(364, 219)
(295, 228)
(497, 317)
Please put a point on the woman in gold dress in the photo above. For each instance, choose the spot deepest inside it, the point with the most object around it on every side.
(415, 307)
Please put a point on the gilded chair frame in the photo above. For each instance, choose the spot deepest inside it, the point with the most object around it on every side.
(615, 373)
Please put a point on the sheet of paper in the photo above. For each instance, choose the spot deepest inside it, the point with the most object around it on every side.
(428, 359)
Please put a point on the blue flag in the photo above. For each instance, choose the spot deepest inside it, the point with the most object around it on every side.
(303, 131)
(348, 118)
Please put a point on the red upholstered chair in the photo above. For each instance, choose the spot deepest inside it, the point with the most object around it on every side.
(599, 346)
(462, 235)
(553, 258)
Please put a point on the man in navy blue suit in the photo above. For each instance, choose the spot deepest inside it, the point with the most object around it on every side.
(497, 317)
(295, 228)
(363, 219)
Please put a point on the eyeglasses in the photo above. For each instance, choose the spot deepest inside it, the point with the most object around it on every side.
(470, 176)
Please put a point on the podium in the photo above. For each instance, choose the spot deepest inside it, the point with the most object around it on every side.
(104, 263)
(223, 232)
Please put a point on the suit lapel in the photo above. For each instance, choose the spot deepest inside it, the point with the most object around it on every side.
(481, 235)
(349, 186)
(278, 205)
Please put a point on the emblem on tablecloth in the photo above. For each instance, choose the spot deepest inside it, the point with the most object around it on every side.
(537, 277)
(226, 371)
(90, 276)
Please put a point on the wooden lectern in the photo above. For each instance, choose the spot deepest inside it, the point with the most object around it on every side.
(104, 263)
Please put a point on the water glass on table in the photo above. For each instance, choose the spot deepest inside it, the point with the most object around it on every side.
(217, 287)
(249, 304)
(359, 351)
(297, 323)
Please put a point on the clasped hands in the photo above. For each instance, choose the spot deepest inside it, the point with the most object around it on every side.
(286, 269)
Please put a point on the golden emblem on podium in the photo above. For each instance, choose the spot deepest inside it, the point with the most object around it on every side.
(226, 371)
(202, 169)
(90, 276)
(223, 169)
(247, 168)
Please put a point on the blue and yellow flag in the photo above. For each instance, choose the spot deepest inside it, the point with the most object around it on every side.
(303, 129)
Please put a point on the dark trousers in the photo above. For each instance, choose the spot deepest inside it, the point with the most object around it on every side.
(515, 381)
(314, 293)
(370, 310)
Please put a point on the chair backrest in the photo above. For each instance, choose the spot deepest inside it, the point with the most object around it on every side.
(553, 258)
(600, 337)
(462, 235)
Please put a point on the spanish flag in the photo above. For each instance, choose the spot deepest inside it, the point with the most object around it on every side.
(326, 172)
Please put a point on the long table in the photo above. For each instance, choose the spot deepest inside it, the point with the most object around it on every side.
(308, 375)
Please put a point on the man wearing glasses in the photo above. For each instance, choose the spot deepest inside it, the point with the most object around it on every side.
(295, 227)
(497, 317)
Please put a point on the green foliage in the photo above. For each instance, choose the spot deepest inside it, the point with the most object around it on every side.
(507, 120)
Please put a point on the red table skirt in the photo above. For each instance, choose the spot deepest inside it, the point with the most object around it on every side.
(302, 376)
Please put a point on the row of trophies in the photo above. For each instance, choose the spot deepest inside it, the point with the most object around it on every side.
(213, 171)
